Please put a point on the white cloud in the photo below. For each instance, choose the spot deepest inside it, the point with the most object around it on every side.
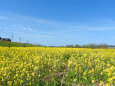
(26, 28)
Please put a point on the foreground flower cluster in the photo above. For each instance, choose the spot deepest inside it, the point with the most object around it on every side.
(56, 66)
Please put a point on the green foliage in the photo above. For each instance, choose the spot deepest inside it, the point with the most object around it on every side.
(77, 46)
(69, 46)
(92, 45)
(95, 46)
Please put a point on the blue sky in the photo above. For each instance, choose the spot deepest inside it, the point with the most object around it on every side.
(58, 22)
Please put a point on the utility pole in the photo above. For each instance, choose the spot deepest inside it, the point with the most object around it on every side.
(20, 39)
(12, 37)
(27, 41)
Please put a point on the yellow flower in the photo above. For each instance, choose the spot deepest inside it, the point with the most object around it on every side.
(84, 73)
(9, 83)
(93, 81)
(33, 74)
(21, 81)
(109, 73)
(75, 80)
(26, 65)
(35, 68)
(108, 84)
(108, 65)
(110, 80)
(113, 77)
(70, 63)
(101, 83)
(112, 68)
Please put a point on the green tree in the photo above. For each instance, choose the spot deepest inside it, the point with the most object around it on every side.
(69, 46)
(77, 46)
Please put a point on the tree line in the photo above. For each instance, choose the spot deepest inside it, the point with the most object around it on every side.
(88, 46)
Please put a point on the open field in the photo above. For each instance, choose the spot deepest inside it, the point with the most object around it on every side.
(34, 66)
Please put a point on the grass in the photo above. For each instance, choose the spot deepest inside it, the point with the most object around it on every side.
(15, 44)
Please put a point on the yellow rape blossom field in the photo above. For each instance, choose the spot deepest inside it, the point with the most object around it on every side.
(40, 66)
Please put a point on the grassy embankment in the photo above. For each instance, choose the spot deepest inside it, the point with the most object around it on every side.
(15, 44)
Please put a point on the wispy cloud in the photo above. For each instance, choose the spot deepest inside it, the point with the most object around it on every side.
(30, 29)
(43, 24)
(88, 28)
(27, 28)
(110, 25)
(42, 29)
(50, 23)
(3, 18)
